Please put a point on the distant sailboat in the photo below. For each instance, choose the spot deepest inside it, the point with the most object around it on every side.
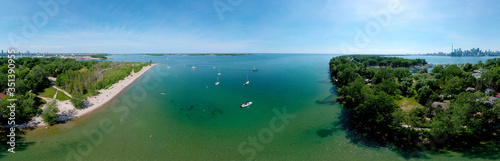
(247, 82)
(217, 83)
(253, 68)
(218, 74)
(193, 67)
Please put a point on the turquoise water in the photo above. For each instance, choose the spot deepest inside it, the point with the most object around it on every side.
(196, 120)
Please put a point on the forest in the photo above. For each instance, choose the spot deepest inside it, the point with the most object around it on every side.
(369, 60)
(80, 78)
(446, 108)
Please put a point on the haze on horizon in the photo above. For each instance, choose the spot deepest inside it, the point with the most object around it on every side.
(244, 26)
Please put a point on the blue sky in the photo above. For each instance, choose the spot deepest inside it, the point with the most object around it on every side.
(250, 26)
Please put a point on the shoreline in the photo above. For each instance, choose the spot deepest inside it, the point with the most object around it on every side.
(67, 112)
(106, 95)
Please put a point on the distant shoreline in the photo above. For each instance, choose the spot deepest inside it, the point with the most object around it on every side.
(196, 54)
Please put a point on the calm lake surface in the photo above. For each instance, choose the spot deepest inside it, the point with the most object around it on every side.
(196, 120)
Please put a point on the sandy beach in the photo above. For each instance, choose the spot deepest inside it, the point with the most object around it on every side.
(108, 94)
(68, 112)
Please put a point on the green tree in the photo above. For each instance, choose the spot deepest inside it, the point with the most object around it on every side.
(401, 73)
(388, 86)
(4, 69)
(78, 101)
(37, 79)
(454, 86)
(491, 78)
(375, 112)
(416, 117)
(452, 71)
(346, 76)
(422, 71)
(355, 92)
(50, 114)
(423, 95)
(406, 87)
(22, 72)
(438, 69)
(468, 67)
(28, 106)
(426, 79)
(372, 62)
(383, 74)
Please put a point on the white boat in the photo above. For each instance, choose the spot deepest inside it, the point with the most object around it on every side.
(247, 104)
(218, 74)
(247, 82)
(253, 67)
(193, 67)
(217, 83)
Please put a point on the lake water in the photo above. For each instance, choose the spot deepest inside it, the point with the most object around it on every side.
(196, 120)
(448, 59)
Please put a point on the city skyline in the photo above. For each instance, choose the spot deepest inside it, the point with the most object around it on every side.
(375, 26)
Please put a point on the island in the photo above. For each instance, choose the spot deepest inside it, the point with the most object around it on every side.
(449, 107)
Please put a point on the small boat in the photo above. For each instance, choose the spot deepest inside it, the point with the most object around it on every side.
(218, 74)
(246, 104)
(247, 82)
(217, 83)
(193, 67)
(253, 68)
(162, 93)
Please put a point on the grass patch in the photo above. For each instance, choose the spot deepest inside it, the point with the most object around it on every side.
(407, 103)
(48, 92)
(61, 96)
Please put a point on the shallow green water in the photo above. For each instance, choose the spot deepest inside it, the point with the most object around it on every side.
(193, 122)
